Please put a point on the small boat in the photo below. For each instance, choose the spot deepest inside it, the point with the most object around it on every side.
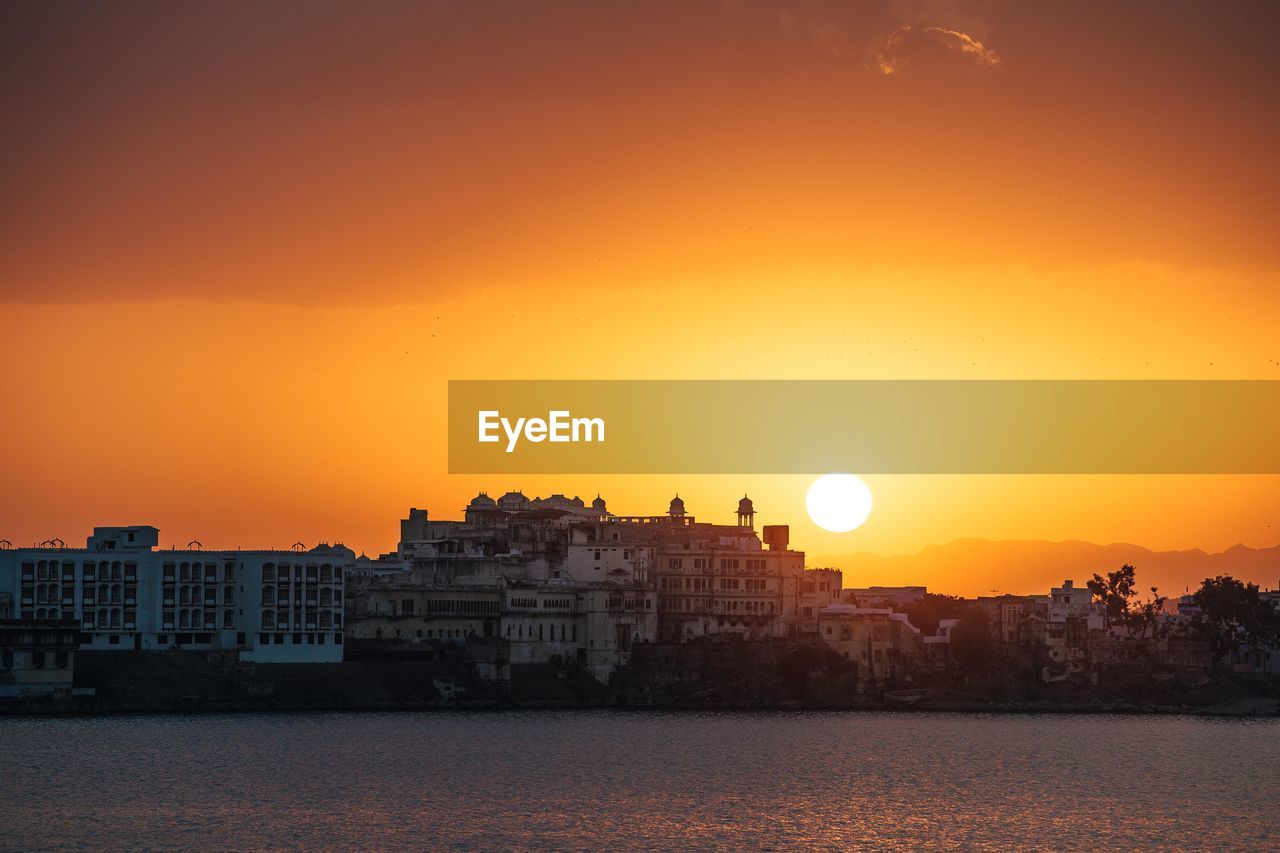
(905, 697)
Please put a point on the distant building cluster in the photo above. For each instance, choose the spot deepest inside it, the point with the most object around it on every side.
(555, 579)
(517, 580)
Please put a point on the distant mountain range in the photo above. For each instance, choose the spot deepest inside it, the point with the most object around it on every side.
(977, 566)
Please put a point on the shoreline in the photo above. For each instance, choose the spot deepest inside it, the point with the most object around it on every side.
(1261, 708)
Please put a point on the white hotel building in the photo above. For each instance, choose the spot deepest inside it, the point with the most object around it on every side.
(269, 606)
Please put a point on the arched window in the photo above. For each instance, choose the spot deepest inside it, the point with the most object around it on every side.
(184, 619)
(115, 618)
(102, 618)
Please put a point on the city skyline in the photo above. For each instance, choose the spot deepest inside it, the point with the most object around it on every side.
(965, 566)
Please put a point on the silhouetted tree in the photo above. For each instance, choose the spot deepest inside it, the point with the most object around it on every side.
(1232, 614)
(1114, 592)
(1147, 616)
(971, 640)
(927, 611)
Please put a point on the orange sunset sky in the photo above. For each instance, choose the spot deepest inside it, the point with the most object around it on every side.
(243, 247)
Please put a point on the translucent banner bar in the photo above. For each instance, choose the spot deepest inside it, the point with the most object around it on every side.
(864, 426)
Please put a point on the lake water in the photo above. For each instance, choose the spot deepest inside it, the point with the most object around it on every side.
(649, 780)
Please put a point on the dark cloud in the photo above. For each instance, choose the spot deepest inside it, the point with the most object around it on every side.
(320, 151)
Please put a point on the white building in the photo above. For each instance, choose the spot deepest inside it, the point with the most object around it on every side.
(37, 658)
(593, 624)
(1070, 601)
(124, 593)
(878, 640)
(818, 588)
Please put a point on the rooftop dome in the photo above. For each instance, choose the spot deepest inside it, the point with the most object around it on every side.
(513, 500)
(744, 505)
(677, 506)
(598, 503)
(482, 500)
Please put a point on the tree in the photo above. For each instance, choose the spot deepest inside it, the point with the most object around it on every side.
(1113, 592)
(1116, 592)
(1147, 616)
(1232, 614)
(971, 641)
(926, 611)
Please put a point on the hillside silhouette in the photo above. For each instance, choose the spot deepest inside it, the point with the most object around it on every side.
(977, 566)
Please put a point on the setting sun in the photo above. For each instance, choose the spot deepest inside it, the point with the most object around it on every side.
(838, 503)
